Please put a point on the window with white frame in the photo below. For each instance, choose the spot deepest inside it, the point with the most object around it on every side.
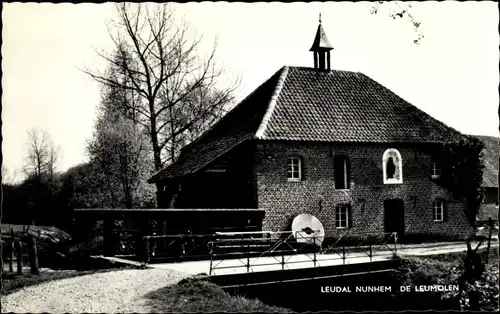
(342, 216)
(392, 166)
(438, 209)
(294, 169)
(436, 170)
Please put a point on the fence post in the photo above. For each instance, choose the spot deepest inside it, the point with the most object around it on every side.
(396, 243)
(11, 254)
(33, 256)
(19, 253)
(343, 253)
(282, 258)
(314, 251)
(370, 246)
(146, 244)
(211, 252)
(248, 257)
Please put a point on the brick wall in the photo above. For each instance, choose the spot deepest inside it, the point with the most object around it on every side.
(316, 193)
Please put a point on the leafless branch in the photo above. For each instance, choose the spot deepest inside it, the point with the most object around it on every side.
(158, 61)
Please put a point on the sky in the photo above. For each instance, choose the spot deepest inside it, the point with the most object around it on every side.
(452, 74)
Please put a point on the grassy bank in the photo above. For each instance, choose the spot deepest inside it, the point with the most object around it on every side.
(193, 295)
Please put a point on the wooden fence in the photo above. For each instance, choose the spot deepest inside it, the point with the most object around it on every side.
(19, 249)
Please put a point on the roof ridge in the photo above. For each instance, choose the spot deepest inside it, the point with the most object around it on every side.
(302, 67)
(272, 103)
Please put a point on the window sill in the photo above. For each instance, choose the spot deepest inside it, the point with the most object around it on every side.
(435, 176)
(438, 220)
(393, 182)
(342, 189)
(341, 228)
(293, 180)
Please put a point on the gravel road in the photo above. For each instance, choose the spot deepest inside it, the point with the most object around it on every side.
(111, 292)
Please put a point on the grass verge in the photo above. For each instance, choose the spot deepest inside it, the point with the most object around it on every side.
(197, 295)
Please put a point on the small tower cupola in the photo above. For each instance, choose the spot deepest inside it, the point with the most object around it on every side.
(321, 49)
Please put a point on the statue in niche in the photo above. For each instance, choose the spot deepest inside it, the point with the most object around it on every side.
(391, 168)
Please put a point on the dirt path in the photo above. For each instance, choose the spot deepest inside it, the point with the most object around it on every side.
(122, 291)
(441, 248)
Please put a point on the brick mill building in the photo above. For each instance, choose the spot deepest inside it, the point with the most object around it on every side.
(334, 144)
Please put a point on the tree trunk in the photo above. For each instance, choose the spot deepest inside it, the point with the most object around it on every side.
(156, 153)
(33, 252)
(19, 253)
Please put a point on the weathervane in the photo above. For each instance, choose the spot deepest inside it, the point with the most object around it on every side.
(319, 17)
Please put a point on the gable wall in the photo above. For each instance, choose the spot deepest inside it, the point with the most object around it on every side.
(283, 200)
(226, 183)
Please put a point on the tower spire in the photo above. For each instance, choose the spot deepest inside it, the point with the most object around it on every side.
(321, 49)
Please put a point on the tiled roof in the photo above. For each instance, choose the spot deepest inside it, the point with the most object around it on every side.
(491, 153)
(304, 104)
(343, 106)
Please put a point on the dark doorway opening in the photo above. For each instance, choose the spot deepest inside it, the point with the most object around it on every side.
(394, 217)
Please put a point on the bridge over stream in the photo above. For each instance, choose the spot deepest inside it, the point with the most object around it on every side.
(234, 259)
(259, 257)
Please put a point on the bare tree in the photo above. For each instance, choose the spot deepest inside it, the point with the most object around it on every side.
(178, 91)
(43, 156)
(38, 153)
(41, 164)
(53, 159)
(400, 9)
(7, 177)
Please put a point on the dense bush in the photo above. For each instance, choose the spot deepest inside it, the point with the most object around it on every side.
(451, 271)
(462, 171)
(416, 271)
(485, 289)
